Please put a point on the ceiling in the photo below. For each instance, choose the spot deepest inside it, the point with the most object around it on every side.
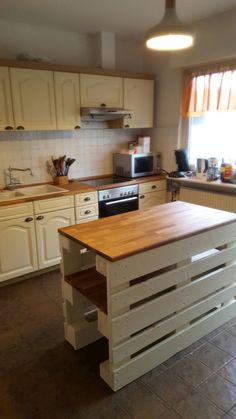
(128, 19)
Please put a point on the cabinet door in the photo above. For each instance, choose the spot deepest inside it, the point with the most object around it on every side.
(139, 97)
(6, 114)
(47, 225)
(152, 198)
(33, 99)
(67, 100)
(101, 90)
(18, 254)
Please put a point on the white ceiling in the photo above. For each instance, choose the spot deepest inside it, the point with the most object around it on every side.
(128, 19)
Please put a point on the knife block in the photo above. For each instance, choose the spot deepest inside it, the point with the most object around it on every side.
(61, 180)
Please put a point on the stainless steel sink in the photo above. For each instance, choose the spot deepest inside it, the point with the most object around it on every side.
(29, 191)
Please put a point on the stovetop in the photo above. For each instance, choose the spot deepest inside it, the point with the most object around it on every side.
(105, 181)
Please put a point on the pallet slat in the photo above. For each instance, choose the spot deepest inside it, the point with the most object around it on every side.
(161, 282)
(154, 310)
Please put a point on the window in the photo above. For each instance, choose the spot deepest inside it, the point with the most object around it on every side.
(210, 105)
(213, 135)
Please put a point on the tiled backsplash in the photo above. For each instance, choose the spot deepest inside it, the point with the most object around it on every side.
(92, 150)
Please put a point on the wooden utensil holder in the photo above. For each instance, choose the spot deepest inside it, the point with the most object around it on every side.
(61, 180)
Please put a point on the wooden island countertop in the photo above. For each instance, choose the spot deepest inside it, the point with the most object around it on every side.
(127, 234)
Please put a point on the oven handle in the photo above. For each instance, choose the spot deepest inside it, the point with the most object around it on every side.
(122, 200)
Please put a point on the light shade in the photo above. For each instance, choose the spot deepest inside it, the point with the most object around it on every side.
(170, 34)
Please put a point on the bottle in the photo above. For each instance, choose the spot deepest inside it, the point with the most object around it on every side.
(222, 171)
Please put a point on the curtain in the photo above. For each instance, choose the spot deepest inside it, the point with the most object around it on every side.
(213, 91)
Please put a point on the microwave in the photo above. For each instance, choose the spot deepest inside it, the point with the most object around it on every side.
(136, 165)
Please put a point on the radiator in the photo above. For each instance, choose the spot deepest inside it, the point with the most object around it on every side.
(208, 199)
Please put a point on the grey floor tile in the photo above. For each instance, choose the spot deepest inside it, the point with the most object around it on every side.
(192, 370)
(232, 412)
(229, 371)
(212, 356)
(196, 406)
(225, 341)
(219, 391)
(137, 399)
(170, 387)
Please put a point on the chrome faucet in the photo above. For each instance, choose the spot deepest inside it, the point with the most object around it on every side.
(12, 181)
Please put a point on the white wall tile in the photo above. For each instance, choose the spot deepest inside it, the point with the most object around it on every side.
(92, 150)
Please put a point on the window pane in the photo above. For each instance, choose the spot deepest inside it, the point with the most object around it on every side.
(213, 135)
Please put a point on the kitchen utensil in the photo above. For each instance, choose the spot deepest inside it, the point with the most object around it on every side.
(69, 162)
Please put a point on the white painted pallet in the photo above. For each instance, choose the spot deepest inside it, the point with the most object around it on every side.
(190, 290)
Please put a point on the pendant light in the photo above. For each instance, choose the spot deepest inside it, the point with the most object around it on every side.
(170, 34)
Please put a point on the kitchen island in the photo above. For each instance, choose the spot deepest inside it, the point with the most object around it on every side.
(152, 282)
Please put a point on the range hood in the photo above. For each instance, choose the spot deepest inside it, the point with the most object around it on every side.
(103, 114)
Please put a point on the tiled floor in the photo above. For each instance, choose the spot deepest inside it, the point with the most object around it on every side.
(41, 376)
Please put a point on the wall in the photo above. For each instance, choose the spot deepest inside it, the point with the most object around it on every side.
(92, 150)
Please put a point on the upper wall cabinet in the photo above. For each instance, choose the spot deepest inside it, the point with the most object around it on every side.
(67, 100)
(33, 99)
(139, 97)
(6, 114)
(99, 90)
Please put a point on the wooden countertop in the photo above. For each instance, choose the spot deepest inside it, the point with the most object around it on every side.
(77, 186)
(130, 233)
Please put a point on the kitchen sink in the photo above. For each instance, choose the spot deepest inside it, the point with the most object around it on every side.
(40, 190)
(31, 191)
(5, 195)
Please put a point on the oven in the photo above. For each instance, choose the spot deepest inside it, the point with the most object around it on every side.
(117, 200)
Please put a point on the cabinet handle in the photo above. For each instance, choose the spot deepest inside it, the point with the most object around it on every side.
(77, 127)
(141, 196)
(87, 212)
(8, 127)
(28, 219)
(126, 126)
(40, 217)
(154, 186)
(87, 198)
(20, 127)
(103, 105)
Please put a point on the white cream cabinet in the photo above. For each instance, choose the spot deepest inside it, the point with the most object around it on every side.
(99, 91)
(86, 207)
(18, 254)
(6, 112)
(139, 97)
(51, 214)
(67, 96)
(33, 99)
(152, 193)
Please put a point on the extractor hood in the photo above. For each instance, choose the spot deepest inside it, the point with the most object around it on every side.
(103, 114)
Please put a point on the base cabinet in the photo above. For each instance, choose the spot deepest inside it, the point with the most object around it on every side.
(18, 254)
(152, 198)
(152, 193)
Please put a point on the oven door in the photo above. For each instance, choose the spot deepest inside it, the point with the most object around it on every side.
(117, 206)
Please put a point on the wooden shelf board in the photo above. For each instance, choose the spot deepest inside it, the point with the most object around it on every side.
(92, 285)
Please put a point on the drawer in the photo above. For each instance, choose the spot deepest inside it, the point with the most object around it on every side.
(86, 220)
(51, 204)
(158, 185)
(16, 211)
(86, 198)
(86, 211)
